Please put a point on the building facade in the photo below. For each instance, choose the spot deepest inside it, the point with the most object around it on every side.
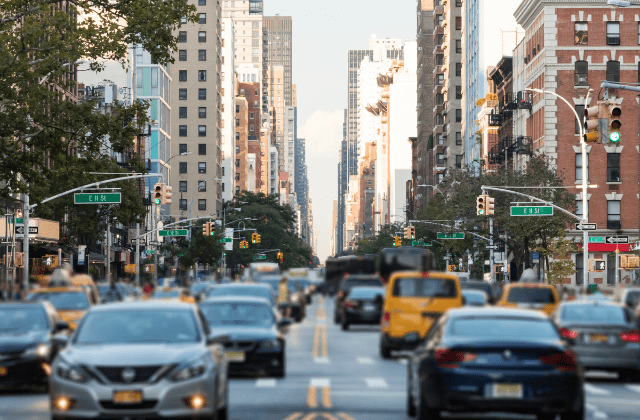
(228, 124)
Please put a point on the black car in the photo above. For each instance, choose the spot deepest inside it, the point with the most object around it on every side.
(256, 344)
(27, 344)
(362, 305)
(346, 284)
(495, 360)
(244, 289)
(487, 288)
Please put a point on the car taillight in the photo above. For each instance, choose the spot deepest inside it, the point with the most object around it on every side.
(341, 294)
(385, 320)
(447, 358)
(567, 333)
(349, 304)
(384, 281)
(632, 336)
(564, 362)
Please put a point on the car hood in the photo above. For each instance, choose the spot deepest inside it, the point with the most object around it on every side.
(19, 341)
(132, 354)
(236, 333)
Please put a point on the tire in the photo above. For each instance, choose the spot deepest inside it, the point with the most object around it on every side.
(411, 407)
(425, 412)
(546, 416)
(573, 415)
(385, 352)
(281, 372)
(629, 376)
(345, 325)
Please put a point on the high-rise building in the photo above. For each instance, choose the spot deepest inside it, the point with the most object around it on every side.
(275, 89)
(247, 19)
(197, 96)
(228, 124)
(343, 179)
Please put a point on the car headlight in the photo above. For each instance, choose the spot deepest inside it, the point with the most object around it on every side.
(41, 350)
(189, 370)
(270, 344)
(68, 371)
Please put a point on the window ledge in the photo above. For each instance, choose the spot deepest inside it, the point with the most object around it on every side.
(614, 183)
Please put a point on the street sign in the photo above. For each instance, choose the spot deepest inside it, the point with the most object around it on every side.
(596, 239)
(174, 232)
(259, 257)
(19, 220)
(491, 247)
(154, 243)
(586, 226)
(531, 211)
(599, 265)
(33, 230)
(457, 235)
(149, 251)
(97, 198)
(609, 239)
(142, 241)
(226, 239)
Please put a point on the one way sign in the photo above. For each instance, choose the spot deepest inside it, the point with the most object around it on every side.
(617, 239)
(33, 230)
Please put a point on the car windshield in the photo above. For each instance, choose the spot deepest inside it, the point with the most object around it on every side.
(424, 287)
(138, 326)
(365, 293)
(238, 313)
(64, 301)
(530, 295)
(503, 328)
(166, 294)
(23, 319)
(596, 314)
(242, 291)
(271, 282)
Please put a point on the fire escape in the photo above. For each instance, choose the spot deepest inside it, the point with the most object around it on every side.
(506, 145)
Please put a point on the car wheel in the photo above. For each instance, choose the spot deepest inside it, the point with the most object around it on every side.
(424, 412)
(411, 407)
(345, 325)
(222, 413)
(546, 416)
(630, 376)
(574, 415)
(385, 352)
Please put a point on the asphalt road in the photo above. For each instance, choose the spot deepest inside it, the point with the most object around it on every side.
(338, 375)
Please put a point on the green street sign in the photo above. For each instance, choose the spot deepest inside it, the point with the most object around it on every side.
(97, 198)
(19, 220)
(149, 251)
(596, 239)
(226, 240)
(259, 257)
(416, 243)
(457, 235)
(531, 211)
(174, 232)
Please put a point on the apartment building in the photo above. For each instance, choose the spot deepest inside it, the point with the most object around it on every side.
(227, 110)
(242, 143)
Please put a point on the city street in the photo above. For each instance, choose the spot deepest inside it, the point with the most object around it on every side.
(338, 375)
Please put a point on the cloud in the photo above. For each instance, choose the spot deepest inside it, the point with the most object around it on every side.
(323, 134)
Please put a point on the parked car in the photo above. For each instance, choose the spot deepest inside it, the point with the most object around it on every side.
(362, 305)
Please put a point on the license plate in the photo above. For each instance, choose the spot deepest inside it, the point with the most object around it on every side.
(507, 391)
(3, 371)
(127, 397)
(599, 338)
(368, 307)
(235, 356)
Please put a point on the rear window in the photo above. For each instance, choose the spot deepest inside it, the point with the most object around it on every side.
(424, 287)
(501, 328)
(597, 314)
(364, 282)
(530, 295)
(477, 286)
(358, 293)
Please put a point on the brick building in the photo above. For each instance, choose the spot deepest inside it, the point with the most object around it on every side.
(242, 143)
(570, 47)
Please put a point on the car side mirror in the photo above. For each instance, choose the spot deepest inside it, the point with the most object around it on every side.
(464, 301)
(59, 340)
(218, 339)
(61, 326)
(284, 322)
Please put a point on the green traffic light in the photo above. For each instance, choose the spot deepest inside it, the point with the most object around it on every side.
(157, 201)
(614, 137)
(481, 212)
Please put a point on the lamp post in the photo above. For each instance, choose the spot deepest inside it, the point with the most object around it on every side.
(584, 186)
(435, 188)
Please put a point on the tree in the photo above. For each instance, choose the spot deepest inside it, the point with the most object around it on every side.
(560, 266)
(40, 43)
(200, 249)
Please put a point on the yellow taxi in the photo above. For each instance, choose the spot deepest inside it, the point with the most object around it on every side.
(70, 302)
(539, 296)
(414, 301)
(173, 293)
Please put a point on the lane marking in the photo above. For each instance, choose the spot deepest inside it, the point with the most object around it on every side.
(293, 416)
(597, 414)
(329, 416)
(265, 383)
(403, 361)
(591, 389)
(378, 383)
(345, 416)
(325, 344)
(319, 382)
(312, 397)
(365, 360)
(310, 416)
(326, 397)
(321, 360)
(634, 388)
(371, 394)
(316, 339)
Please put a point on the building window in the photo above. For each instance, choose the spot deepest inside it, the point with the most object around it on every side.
(237, 163)
(439, 59)
(202, 55)
(202, 94)
(182, 130)
(580, 33)
(222, 187)
(202, 186)
(458, 23)
(458, 138)
(458, 92)
(182, 148)
(458, 46)
(613, 33)
(613, 167)
(182, 55)
(579, 269)
(579, 208)
(183, 186)
(202, 149)
(202, 75)
(458, 115)
(613, 214)
(182, 168)
(182, 94)
(202, 2)
(580, 111)
(579, 167)
(458, 69)
(183, 204)
(638, 33)
(182, 112)
(613, 71)
(202, 167)
(458, 3)
(439, 39)
(202, 131)
(237, 149)
(202, 36)
(581, 73)
(202, 204)
(182, 36)
(202, 112)
(440, 79)
(439, 98)
(440, 158)
(438, 20)
(182, 75)
(459, 161)
(202, 18)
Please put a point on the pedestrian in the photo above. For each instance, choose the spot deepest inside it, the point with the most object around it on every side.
(283, 297)
(147, 289)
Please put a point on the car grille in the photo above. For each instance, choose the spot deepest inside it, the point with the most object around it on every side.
(242, 345)
(114, 374)
(6, 357)
(147, 404)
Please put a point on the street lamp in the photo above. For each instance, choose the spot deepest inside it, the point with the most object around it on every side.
(435, 188)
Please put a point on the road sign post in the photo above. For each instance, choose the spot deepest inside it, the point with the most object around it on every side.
(531, 211)
(97, 198)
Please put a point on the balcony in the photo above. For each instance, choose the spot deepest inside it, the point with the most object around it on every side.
(525, 100)
(438, 129)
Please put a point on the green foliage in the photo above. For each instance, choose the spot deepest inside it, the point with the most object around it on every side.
(559, 262)
(40, 42)
(200, 249)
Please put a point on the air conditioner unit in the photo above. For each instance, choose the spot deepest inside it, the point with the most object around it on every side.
(582, 80)
(419, 159)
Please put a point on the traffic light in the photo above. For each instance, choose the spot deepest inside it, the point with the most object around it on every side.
(397, 241)
(407, 233)
(280, 256)
(254, 238)
(244, 244)
(212, 228)
(412, 232)
(481, 205)
(157, 194)
(205, 229)
(167, 193)
(259, 237)
(490, 203)
(591, 125)
(614, 113)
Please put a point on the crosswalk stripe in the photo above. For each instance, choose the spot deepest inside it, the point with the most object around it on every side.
(377, 383)
(591, 389)
(319, 382)
(634, 388)
(365, 360)
(265, 383)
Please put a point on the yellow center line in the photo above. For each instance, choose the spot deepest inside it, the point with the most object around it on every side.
(316, 341)
(326, 397)
(293, 416)
(325, 345)
(312, 397)
(310, 416)
(329, 416)
(345, 416)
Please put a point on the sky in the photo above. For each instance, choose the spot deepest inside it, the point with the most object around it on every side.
(323, 33)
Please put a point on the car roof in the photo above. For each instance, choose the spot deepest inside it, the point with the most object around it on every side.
(495, 312)
(372, 288)
(599, 302)
(141, 305)
(474, 292)
(23, 304)
(233, 298)
(246, 285)
(59, 289)
(529, 286)
(474, 282)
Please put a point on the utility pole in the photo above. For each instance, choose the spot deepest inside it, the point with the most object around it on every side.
(137, 259)
(491, 253)
(108, 268)
(25, 244)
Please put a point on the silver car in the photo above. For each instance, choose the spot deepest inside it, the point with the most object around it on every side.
(141, 360)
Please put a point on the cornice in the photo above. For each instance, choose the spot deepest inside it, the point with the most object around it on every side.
(530, 9)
